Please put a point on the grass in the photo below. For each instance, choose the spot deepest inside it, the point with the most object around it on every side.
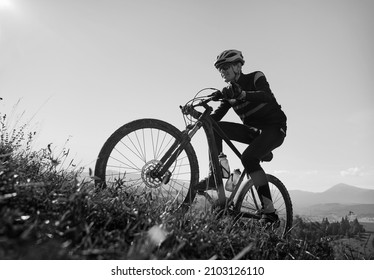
(47, 212)
(358, 247)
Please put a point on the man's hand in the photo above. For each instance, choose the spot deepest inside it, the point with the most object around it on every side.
(217, 95)
(232, 91)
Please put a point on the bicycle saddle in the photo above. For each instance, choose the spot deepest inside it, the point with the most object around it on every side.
(268, 157)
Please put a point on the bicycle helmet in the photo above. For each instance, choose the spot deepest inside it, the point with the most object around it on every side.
(229, 56)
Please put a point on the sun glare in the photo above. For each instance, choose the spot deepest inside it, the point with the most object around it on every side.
(5, 4)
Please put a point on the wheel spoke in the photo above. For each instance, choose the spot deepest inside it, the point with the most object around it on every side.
(139, 154)
(248, 201)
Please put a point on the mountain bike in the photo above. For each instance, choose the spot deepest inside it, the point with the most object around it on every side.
(153, 157)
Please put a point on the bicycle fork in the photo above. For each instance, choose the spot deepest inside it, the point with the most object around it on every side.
(161, 170)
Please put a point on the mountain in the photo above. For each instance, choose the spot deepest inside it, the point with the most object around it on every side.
(334, 203)
(341, 193)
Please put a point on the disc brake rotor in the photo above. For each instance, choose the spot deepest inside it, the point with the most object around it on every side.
(147, 176)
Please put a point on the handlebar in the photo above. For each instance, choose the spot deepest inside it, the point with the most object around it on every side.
(189, 108)
(204, 103)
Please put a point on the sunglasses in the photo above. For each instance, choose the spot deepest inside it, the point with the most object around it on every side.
(224, 67)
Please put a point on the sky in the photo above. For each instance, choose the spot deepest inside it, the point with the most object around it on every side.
(76, 70)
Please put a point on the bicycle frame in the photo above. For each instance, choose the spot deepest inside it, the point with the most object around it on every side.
(210, 126)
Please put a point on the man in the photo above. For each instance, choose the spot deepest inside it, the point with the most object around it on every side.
(253, 101)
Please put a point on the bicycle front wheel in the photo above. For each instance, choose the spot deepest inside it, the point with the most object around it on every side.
(248, 203)
(132, 152)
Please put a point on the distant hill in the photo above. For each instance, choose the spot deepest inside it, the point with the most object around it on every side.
(334, 203)
(341, 193)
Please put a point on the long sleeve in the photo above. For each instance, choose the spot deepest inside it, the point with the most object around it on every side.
(262, 92)
(259, 108)
(221, 111)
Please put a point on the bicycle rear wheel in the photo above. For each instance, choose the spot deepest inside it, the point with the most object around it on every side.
(130, 154)
(249, 205)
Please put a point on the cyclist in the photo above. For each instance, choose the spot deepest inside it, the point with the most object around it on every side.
(252, 99)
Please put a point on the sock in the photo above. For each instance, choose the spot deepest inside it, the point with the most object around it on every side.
(262, 186)
(265, 198)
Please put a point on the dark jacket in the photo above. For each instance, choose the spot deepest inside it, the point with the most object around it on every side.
(260, 109)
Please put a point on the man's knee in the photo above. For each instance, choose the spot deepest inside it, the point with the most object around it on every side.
(250, 163)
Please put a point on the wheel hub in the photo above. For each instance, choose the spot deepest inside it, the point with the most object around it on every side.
(148, 176)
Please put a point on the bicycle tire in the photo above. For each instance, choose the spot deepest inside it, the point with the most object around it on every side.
(134, 149)
(249, 203)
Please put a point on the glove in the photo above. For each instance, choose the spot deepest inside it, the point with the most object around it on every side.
(217, 95)
(232, 91)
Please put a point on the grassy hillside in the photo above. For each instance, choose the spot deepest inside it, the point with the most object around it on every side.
(46, 212)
